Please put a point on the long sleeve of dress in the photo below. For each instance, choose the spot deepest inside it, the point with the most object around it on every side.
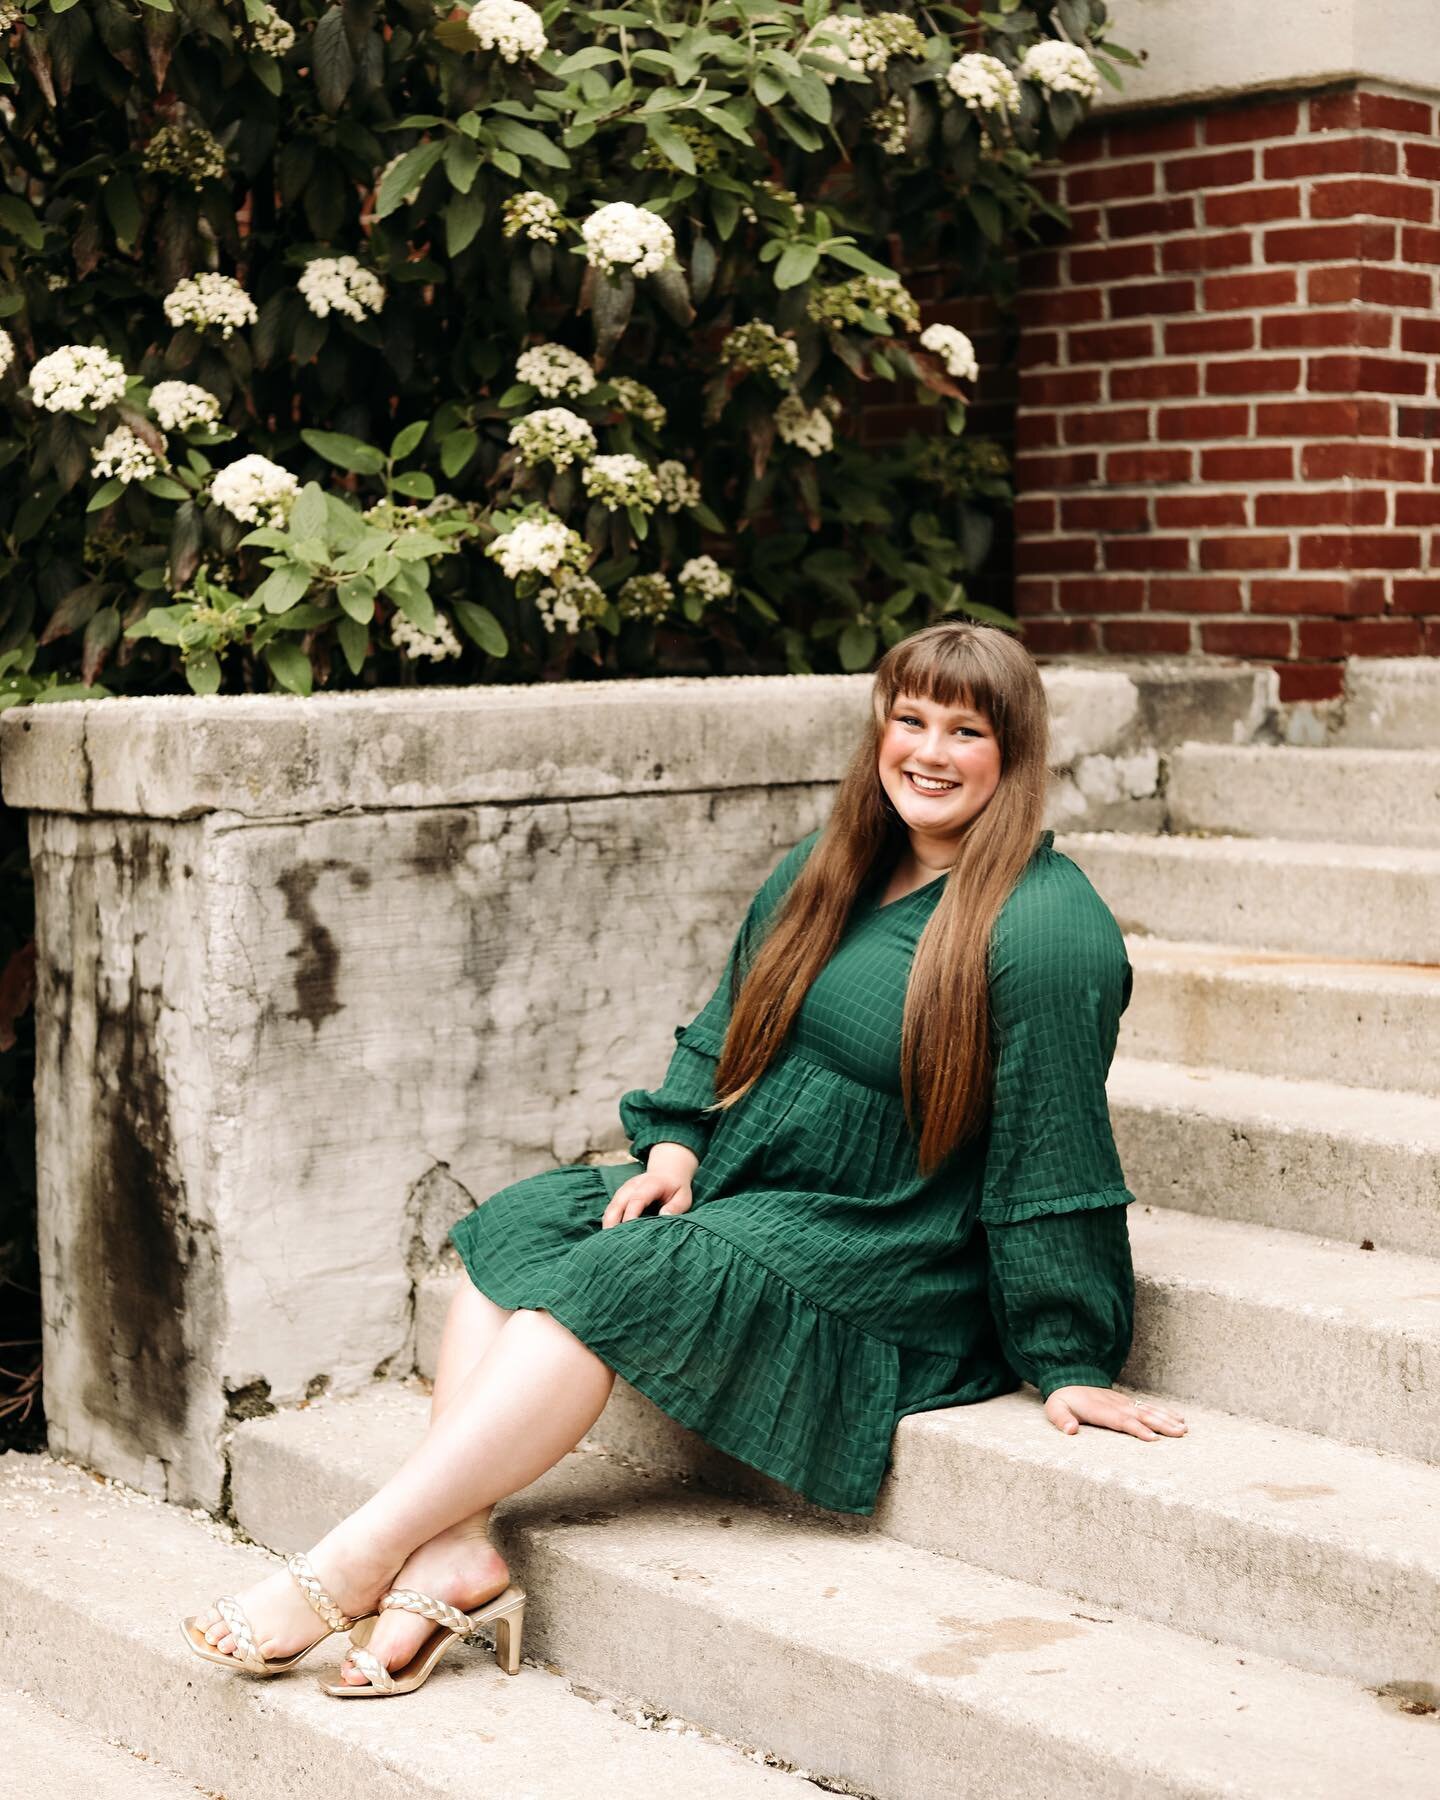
(676, 1111)
(1061, 1282)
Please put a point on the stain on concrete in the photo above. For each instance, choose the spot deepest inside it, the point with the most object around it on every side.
(316, 956)
(976, 1639)
(1300, 1490)
(1420, 1697)
(138, 1265)
(252, 1401)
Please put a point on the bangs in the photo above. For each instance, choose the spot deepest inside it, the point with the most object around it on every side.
(950, 673)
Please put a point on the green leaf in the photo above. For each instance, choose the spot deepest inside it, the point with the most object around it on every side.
(456, 449)
(308, 517)
(416, 546)
(416, 483)
(408, 173)
(354, 642)
(481, 626)
(345, 452)
(526, 141)
(122, 208)
(668, 140)
(164, 488)
(462, 163)
(19, 219)
(282, 590)
(332, 60)
(408, 439)
(288, 662)
(593, 56)
(203, 672)
(857, 259)
(455, 34)
(857, 646)
(796, 265)
(357, 598)
(811, 95)
(416, 605)
(464, 216)
(105, 495)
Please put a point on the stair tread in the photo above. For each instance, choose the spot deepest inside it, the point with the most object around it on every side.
(88, 1567)
(1234, 962)
(1279, 852)
(1374, 1115)
(894, 1621)
(1269, 1266)
(47, 1754)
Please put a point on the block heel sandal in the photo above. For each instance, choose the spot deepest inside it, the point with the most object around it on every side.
(506, 1612)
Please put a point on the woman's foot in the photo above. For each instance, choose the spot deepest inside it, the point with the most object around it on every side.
(459, 1566)
(282, 1618)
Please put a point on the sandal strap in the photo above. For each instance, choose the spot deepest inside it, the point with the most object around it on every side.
(374, 1671)
(246, 1649)
(408, 1600)
(312, 1588)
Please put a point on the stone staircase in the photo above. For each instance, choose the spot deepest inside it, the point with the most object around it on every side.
(1252, 1610)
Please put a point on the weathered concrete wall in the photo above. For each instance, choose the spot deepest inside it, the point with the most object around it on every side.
(318, 975)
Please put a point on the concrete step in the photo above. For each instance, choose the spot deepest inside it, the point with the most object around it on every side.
(46, 1755)
(1350, 796)
(1305, 1332)
(1363, 1024)
(93, 1579)
(1320, 899)
(1322, 1553)
(1392, 702)
(1310, 1156)
(901, 1672)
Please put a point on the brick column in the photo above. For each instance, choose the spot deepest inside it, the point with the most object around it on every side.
(1228, 387)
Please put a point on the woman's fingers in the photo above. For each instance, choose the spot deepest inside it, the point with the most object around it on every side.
(1068, 1408)
(632, 1197)
(679, 1201)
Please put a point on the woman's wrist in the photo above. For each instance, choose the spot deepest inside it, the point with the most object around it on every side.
(676, 1162)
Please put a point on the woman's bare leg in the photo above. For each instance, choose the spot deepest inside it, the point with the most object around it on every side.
(534, 1394)
(461, 1560)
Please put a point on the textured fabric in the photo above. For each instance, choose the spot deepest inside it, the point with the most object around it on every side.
(820, 1289)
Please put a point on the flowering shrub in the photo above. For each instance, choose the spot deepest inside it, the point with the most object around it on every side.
(361, 344)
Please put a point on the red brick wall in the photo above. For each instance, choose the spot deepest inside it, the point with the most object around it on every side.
(1228, 388)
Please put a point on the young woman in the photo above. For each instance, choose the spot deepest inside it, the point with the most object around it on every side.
(879, 1178)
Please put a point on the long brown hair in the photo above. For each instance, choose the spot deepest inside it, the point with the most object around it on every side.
(945, 1060)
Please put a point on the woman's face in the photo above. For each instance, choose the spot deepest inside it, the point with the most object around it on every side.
(952, 744)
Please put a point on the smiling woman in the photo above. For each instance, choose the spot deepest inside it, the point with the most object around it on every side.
(878, 1178)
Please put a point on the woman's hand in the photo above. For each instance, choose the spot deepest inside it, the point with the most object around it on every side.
(632, 1197)
(1070, 1407)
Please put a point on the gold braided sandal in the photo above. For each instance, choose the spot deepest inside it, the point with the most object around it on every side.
(247, 1656)
(506, 1611)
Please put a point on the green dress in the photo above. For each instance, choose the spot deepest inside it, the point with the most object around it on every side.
(819, 1289)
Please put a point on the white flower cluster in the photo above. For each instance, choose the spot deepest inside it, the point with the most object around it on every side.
(509, 26)
(677, 488)
(890, 126)
(124, 457)
(703, 579)
(180, 404)
(553, 370)
(554, 434)
(7, 350)
(645, 597)
(534, 214)
(1061, 68)
(759, 347)
(622, 236)
(639, 401)
(339, 284)
(10, 16)
(210, 299)
(808, 428)
(408, 638)
(272, 35)
(572, 603)
(984, 83)
(954, 349)
(539, 546)
(622, 480)
(868, 44)
(256, 491)
(188, 152)
(75, 378)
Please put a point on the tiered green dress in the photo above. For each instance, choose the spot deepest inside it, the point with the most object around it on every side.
(819, 1289)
